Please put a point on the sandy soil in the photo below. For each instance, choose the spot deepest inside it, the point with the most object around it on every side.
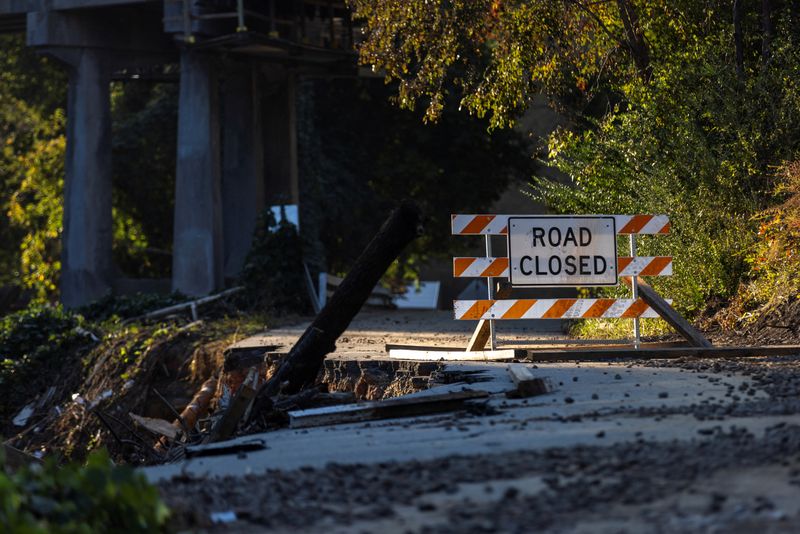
(371, 330)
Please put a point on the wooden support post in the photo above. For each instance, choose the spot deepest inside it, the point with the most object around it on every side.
(482, 332)
(668, 313)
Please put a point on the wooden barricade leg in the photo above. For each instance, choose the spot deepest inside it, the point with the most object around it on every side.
(481, 334)
(668, 313)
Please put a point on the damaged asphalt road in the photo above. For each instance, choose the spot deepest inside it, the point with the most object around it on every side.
(672, 446)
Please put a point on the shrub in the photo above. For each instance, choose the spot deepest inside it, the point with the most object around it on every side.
(95, 497)
(273, 274)
(31, 340)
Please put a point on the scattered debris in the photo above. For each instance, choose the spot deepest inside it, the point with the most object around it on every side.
(192, 306)
(235, 412)
(223, 517)
(107, 394)
(193, 411)
(528, 384)
(156, 426)
(24, 414)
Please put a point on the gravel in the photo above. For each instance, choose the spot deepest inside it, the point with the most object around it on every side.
(722, 479)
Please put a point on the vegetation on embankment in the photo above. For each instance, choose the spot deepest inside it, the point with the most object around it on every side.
(684, 108)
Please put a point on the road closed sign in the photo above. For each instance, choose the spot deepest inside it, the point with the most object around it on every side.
(569, 250)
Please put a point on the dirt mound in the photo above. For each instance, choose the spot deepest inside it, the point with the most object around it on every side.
(773, 324)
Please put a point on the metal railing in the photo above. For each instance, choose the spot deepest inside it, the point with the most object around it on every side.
(329, 25)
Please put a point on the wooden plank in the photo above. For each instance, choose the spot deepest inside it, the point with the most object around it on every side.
(459, 355)
(527, 383)
(482, 332)
(662, 353)
(385, 409)
(395, 346)
(591, 344)
(668, 313)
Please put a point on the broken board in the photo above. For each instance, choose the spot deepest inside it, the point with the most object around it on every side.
(384, 409)
(527, 383)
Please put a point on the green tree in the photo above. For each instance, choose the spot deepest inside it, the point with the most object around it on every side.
(360, 156)
(681, 107)
(32, 98)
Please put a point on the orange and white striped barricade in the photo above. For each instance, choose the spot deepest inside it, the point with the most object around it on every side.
(557, 251)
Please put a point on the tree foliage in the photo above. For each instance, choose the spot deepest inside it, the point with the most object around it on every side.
(684, 107)
(32, 120)
(360, 156)
(77, 499)
(497, 53)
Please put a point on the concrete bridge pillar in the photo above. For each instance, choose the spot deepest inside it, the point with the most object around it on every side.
(197, 265)
(280, 136)
(243, 164)
(87, 234)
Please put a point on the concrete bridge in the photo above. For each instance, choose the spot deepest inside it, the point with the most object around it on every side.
(243, 57)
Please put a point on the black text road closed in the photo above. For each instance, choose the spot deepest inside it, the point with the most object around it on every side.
(569, 250)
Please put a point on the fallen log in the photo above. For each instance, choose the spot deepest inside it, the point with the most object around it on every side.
(301, 366)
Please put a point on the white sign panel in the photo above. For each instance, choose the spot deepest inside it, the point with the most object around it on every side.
(570, 250)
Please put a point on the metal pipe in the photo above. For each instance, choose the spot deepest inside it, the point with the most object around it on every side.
(240, 16)
(635, 288)
(490, 293)
(273, 30)
(187, 22)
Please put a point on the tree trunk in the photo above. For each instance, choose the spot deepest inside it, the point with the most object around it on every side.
(737, 39)
(767, 29)
(636, 42)
(302, 364)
